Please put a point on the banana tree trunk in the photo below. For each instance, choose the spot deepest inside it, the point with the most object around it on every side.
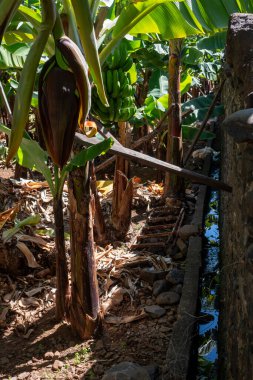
(62, 294)
(84, 312)
(174, 155)
(122, 188)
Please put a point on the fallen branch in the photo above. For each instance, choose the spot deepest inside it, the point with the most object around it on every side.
(146, 160)
(159, 129)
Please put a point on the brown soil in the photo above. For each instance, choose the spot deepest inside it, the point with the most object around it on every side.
(33, 346)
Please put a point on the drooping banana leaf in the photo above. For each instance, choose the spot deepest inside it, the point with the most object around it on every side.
(26, 83)
(189, 17)
(88, 39)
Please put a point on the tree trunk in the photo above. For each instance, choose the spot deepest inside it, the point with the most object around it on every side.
(122, 188)
(84, 312)
(174, 184)
(99, 221)
(61, 261)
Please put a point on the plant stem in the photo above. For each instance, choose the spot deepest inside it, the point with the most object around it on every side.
(61, 261)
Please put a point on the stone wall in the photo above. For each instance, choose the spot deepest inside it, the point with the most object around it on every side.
(236, 322)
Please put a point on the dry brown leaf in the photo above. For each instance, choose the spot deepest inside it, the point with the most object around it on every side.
(34, 291)
(33, 239)
(31, 185)
(8, 215)
(27, 302)
(32, 263)
(114, 298)
(113, 319)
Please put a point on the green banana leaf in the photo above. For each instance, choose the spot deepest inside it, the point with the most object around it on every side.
(12, 37)
(8, 8)
(200, 106)
(32, 156)
(14, 60)
(88, 154)
(88, 39)
(29, 221)
(188, 17)
(190, 132)
(29, 15)
(27, 78)
(213, 43)
(130, 18)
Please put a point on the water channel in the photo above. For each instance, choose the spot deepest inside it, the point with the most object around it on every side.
(209, 308)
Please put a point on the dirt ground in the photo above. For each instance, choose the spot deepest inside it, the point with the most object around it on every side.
(33, 345)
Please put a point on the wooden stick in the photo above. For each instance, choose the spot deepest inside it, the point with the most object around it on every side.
(204, 122)
(164, 219)
(155, 163)
(158, 227)
(154, 235)
(159, 128)
(149, 245)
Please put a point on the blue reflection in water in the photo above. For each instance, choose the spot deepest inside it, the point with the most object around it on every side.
(208, 354)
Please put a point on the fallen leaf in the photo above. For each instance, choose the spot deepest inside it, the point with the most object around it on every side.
(33, 239)
(32, 263)
(27, 302)
(8, 215)
(104, 187)
(35, 185)
(30, 220)
(34, 291)
(127, 319)
(115, 297)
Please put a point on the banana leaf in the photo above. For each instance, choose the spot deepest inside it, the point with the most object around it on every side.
(11, 60)
(190, 132)
(88, 39)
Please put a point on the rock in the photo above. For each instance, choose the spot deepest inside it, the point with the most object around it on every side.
(179, 256)
(172, 251)
(239, 125)
(126, 371)
(181, 245)
(49, 355)
(203, 153)
(173, 202)
(151, 275)
(168, 298)
(149, 302)
(188, 230)
(153, 371)
(177, 289)
(57, 365)
(57, 354)
(155, 311)
(175, 276)
(160, 286)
